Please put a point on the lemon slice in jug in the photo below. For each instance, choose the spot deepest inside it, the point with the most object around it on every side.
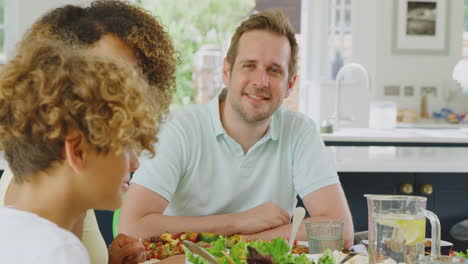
(412, 230)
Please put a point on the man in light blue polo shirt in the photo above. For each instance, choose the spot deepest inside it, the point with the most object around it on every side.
(236, 164)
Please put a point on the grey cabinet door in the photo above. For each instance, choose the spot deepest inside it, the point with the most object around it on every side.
(356, 184)
(449, 200)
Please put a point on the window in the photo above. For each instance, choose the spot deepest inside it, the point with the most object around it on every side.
(2, 30)
(327, 42)
(201, 31)
(465, 33)
(339, 37)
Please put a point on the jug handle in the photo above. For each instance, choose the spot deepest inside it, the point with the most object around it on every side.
(435, 232)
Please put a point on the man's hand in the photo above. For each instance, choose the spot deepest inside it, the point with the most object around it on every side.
(261, 218)
(126, 250)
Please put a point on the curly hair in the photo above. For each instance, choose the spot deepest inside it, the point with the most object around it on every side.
(274, 21)
(49, 90)
(134, 25)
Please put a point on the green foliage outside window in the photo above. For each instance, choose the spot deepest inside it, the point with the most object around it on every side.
(466, 16)
(192, 24)
(2, 22)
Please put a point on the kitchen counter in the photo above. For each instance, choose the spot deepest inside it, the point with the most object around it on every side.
(392, 158)
(402, 135)
(399, 159)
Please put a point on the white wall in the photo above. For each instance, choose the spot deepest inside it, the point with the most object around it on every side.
(372, 47)
(21, 14)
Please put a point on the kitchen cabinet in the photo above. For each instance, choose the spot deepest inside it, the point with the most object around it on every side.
(448, 198)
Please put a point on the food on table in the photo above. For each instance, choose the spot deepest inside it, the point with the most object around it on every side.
(327, 257)
(168, 245)
(300, 249)
(265, 252)
(461, 254)
(256, 257)
(445, 247)
(208, 237)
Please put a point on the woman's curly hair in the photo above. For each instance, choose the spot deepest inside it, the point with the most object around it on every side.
(49, 90)
(134, 25)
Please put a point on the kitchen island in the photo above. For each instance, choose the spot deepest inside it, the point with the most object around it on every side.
(449, 137)
(424, 162)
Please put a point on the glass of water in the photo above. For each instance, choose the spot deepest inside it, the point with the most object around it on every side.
(323, 234)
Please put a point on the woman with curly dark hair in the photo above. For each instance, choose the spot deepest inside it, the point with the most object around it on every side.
(135, 27)
(111, 29)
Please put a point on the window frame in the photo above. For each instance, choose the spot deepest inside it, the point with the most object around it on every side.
(10, 24)
(3, 27)
(315, 59)
(465, 32)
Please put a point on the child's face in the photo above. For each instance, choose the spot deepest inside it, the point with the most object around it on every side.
(108, 176)
(113, 171)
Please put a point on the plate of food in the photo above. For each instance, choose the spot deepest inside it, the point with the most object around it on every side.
(167, 245)
(169, 248)
(268, 252)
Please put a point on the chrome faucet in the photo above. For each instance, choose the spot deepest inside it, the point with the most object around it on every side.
(339, 76)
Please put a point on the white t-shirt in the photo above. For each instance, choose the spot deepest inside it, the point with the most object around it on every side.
(27, 238)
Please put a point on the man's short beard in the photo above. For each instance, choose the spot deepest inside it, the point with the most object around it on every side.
(244, 115)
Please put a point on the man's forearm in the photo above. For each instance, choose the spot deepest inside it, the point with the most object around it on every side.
(157, 224)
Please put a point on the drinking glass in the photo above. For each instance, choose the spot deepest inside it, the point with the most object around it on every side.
(323, 234)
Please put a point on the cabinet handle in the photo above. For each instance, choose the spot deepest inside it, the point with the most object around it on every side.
(406, 188)
(426, 189)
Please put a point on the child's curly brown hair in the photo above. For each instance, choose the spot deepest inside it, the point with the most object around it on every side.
(134, 25)
(49, 90)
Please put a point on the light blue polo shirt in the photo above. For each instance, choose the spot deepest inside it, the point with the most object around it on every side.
(202, 171)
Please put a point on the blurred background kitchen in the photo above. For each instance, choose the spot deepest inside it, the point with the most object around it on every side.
(378, 77)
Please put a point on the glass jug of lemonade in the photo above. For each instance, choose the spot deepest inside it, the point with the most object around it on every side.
(397, 228)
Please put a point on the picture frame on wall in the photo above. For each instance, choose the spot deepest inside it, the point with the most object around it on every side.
(421, 27)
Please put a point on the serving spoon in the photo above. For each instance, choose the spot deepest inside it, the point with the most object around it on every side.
(298, 216)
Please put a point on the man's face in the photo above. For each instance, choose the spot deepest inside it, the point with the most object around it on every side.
(258, 81)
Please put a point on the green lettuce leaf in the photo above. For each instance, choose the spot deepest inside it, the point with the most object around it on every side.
(277, 248)
(239, 252)
(461, 254)
(194, 259)
(218, 246)
(327, 257)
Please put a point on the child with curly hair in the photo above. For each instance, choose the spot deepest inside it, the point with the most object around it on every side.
(71, 126)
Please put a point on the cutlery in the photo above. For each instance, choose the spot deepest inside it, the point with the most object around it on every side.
(196, 249)
(298, 216)
(348, 257)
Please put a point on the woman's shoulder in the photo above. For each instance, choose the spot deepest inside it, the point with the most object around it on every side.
(24, 228)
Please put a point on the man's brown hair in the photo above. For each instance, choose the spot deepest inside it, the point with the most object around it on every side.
(274, 21)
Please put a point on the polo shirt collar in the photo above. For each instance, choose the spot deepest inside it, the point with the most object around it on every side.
(275, 124)
(213, 106)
